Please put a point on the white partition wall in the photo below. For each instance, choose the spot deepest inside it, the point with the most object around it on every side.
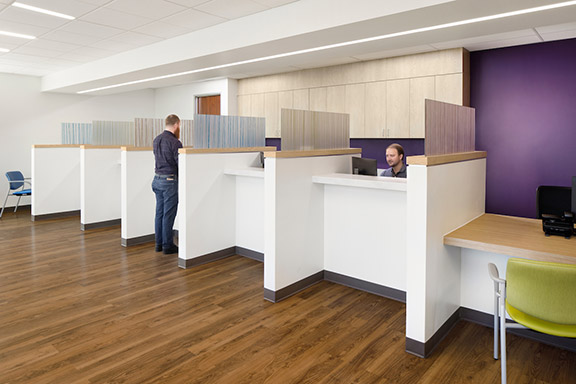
(440, 198)
(137, 199)
(55, 181)
(365, 232)
(294, 218)
(100, 189)
(221, 211)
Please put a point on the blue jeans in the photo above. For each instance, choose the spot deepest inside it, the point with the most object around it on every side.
(166, 190)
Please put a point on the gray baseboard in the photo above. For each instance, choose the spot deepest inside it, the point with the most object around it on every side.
(487, 320)
(207, 258)
(425, 349)
(254, 255)
(138, 240)
(363, 285)
(281, 294)
(57, 215)
(100, 224)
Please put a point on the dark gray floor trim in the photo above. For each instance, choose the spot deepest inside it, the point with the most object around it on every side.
(281, 294)
(254, 255)
(425, 349)
(207, 258)
(363, 285)
(56, 215)
(138, 240)
(487, 320)
(100, 224)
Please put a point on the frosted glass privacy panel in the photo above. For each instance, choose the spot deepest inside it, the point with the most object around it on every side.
(112, 132)
(146, 129)
(215, 131)
(307, 130)
(76, 133)
(450, 128)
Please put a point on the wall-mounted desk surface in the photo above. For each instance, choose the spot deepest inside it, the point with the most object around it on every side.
(361, 181)
(248, 172)
(513, 236)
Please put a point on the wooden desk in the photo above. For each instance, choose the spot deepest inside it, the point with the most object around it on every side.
(513, 236)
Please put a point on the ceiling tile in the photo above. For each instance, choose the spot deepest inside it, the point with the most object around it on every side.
(231, 10)
(154, 9)
(32, 18)
(91, 29)
(188, 3)
(559, 35)
(490, 41)
(27, 29)
(275, 3)
(27, 50)
(71, 38)
(567, 27)
(96, 53)
(395, 52)
(112, 18)
(52, 45)
(77, 58)
(193, 20)
(95, 2)
(30, 59)
(136, 38)
(68, 7)
(163, 30)
(114, 46)
(60, 61)
(7, 42)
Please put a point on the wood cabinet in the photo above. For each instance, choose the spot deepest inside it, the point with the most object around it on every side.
(385, 98)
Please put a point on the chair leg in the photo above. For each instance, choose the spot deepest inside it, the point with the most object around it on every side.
(17, 203)
(496, 319)
(4, 206)
(503, 340)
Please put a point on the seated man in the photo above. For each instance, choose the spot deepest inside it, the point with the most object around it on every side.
(395, 158)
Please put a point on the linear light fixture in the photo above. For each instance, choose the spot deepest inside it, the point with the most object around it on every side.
(42, 10)
(4, 50)
(344, 44)
(20, 35)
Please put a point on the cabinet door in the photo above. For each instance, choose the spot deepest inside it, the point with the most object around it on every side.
(244, 105)
(421, 88)
(449, 88)
(398, 108)
(318, 99)
(375, 110)
(336, 99)
(272, 114)
(301, 99)
(355, 106)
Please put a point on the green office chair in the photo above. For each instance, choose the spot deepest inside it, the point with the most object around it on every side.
(537, 295)
(16, 183)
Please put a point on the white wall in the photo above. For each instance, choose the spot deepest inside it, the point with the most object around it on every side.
(250, 213)
(440, 199)
(55, 180)
(100, 189)
(294, 217)
(365, 234)
(28, 117)
(181, 100)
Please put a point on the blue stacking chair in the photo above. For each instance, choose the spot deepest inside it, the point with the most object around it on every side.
(16, 188)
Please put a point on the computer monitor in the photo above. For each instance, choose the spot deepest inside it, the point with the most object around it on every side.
(361, 166)
(552, 200)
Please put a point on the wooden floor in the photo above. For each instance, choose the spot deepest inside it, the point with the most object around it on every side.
(76, 307)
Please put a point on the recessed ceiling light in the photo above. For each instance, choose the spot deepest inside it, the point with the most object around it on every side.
(20, 35)
(344, 44)
(42, 10)
(4, 50)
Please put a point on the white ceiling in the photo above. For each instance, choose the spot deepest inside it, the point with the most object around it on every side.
(114, 41)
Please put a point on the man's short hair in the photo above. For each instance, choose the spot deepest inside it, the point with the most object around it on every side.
(171, 120)
(399, 148)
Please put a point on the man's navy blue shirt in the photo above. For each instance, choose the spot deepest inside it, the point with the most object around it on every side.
(165, 147)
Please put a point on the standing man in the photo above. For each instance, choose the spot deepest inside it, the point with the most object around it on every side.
(165, 184)
(394, 158)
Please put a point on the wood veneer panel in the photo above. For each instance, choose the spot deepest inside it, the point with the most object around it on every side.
(513, 236)
(449, 128)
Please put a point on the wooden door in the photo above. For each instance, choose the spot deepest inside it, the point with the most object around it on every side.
(208, 105)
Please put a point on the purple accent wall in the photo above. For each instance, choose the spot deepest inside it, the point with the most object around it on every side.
(525, 100)
(375, 148)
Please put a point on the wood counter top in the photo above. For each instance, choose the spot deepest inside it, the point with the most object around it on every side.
(513, 236)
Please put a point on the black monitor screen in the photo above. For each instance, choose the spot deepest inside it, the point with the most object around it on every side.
(362, 166)
(553, 200)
